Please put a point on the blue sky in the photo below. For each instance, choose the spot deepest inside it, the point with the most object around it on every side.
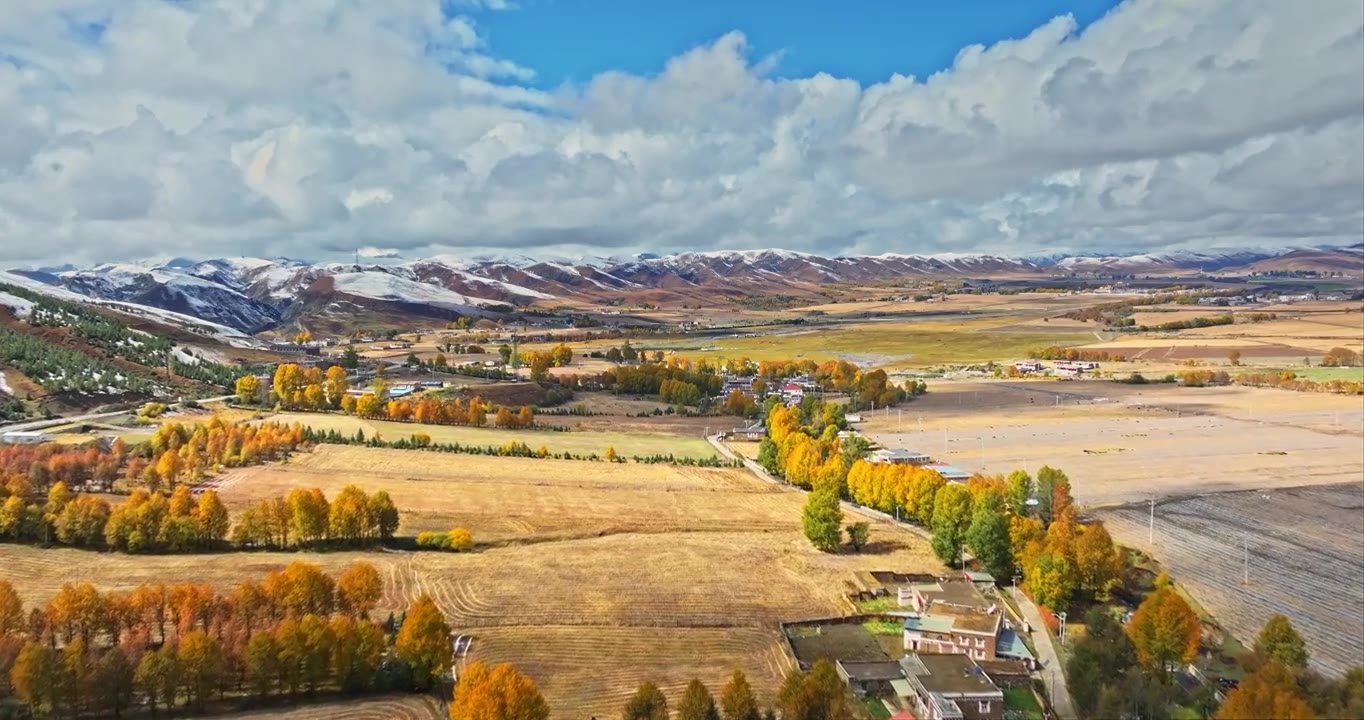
(572, 40)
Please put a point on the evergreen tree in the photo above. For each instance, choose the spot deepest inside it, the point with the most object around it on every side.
(988, 535)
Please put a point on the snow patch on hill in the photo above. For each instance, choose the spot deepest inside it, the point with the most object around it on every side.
(383, 286)
(20, 306)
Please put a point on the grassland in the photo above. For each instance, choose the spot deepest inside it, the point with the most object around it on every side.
(883, 344)
(578, 442)
(589, 576)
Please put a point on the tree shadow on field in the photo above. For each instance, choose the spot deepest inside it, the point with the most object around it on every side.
(879, 547)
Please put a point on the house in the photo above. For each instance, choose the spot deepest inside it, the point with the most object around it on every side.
(948, 687)
(954, 630)
(1028, 367)
(24, 437)
(900, 456)
(753, 431)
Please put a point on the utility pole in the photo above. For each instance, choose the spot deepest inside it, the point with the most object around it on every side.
(1151, 526)
(1245, 546)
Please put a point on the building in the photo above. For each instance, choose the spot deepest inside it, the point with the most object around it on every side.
(754, 431)
(869, 678)
(948, 687)
(1028, 367)
(950, 473)
(956, 631)
(295, 349)
(24, 437)
(945, 593)
(900, 456)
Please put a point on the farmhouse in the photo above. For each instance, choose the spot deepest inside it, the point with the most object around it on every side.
(948, 687)
(900, 456)
(24, 437)
(754, 431)
(952, 630)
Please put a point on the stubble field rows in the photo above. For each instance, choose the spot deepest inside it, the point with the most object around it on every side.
(1302, 548)
(598, 576)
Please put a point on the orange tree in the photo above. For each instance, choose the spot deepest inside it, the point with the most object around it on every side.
(501, 693)
(424, 643)
(1270, 693)
(1164, 630)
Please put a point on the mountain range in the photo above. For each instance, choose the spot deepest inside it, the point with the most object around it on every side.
(251, 295)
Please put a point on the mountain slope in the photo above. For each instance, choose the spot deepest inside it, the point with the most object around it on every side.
(253, 294)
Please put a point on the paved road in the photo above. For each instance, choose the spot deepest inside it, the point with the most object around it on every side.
(1053, 674)
(53, 422)
(762, 474)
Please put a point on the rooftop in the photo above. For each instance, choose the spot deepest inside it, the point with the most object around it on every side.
(1010, 645)
(949, 472)
(864, 671)
(929, 623)
(899, 454)
(949, 619)
(977, 576)
(961, 593)
(949, 674)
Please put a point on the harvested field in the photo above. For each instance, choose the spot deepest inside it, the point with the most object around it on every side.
(591, 577)
(1306, 560)
(528, 500)
(1125, 443)
(579, 443)
(39, 573)
(392, 707)
(568, 660)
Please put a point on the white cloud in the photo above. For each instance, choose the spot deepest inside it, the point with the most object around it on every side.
(370, 251)
(310, 128)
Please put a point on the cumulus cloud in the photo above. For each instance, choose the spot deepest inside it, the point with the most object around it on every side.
(132, 128)
(370, 251)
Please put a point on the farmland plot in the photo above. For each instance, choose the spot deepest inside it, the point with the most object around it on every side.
(1306, 560)
(579, 442)
(590, 577)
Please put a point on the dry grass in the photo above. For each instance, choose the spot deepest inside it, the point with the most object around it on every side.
(569, 660)
(519, 499)
(394, 707)
(598, 576)
(1124, 443)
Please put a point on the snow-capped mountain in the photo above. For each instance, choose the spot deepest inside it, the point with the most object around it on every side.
(254, 294)
(1176, 260)
(174, 289)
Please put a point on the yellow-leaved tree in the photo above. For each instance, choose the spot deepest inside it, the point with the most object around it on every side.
(424, 643)
(501, 692)
(1164, 630)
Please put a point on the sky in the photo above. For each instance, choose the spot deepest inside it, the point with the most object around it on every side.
(313, 128)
